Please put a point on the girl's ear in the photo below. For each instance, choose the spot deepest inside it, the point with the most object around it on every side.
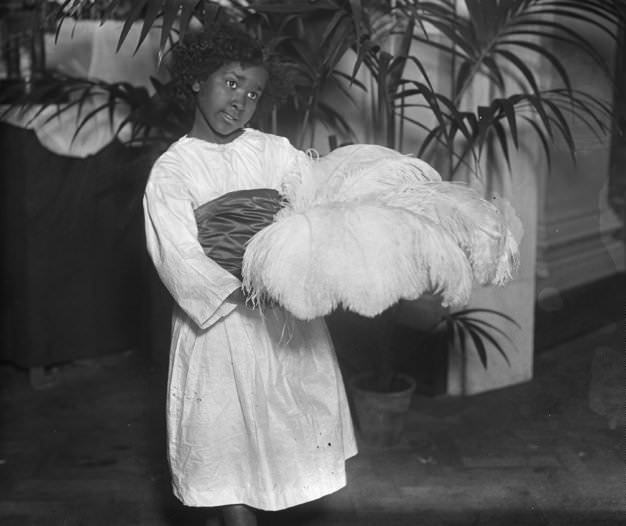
(195, 87)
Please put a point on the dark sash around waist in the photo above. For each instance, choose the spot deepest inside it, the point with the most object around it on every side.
(227, 223)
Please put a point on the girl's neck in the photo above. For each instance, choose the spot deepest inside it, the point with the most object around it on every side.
(200, 130)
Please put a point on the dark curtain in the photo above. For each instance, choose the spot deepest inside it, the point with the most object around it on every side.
(77, 279)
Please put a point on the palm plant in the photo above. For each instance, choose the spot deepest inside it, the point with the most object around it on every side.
(465, 330)
(499, 41)
(315, 36)
(483, 44)
(492, 46)
(288, 27)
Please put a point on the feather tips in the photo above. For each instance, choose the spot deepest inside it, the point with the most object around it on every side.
(477, 226)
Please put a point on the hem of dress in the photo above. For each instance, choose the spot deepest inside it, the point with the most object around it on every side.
(199, 502)
(259, 506)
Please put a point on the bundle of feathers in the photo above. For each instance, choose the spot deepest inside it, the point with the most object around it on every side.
(365, 226)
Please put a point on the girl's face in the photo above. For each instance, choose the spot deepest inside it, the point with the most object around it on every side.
(227, 100)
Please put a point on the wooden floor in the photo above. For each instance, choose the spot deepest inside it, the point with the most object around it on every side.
(89, 451)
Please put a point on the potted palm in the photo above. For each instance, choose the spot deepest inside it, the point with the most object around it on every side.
(382, 393)
(340, 47)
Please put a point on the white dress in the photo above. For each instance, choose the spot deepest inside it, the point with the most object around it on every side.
(257, 411)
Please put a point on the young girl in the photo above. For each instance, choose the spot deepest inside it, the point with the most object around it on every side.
(257, 415)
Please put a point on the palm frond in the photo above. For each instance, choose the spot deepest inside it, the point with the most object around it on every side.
(173, 15)
(492, 30)
(470, 325)
(89, 98)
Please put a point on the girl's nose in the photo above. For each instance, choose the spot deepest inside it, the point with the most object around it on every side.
(238, 101)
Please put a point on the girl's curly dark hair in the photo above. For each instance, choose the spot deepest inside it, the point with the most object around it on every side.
(203, 52)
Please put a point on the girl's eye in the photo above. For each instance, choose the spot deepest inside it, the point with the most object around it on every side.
(253, 95)
(231, 83)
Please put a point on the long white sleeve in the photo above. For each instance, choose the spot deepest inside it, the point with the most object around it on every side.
(197, 284)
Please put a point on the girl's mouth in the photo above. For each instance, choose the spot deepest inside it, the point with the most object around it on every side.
(229, 118)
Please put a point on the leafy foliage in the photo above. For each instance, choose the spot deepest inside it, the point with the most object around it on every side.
(173, 16)
(466, 330)
(148, 119)
(493, 41)
(469, 326)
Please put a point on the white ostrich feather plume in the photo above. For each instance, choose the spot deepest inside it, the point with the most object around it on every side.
(364, 257)
(366, 226)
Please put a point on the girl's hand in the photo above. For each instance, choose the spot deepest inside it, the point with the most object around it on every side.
(237, 297)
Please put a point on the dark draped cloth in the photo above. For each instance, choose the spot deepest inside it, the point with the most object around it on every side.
(74, 261)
